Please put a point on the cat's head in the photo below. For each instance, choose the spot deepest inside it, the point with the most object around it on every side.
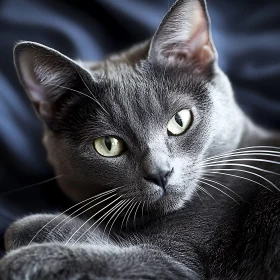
(141, 121)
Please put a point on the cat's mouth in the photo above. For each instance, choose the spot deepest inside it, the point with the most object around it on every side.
(168, 199)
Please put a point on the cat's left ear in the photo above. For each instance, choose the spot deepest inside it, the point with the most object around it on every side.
(184, 37)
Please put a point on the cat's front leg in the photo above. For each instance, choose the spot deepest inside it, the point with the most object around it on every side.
(55, 261)
(46, 228)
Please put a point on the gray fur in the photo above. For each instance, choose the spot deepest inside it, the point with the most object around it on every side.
(133, 95)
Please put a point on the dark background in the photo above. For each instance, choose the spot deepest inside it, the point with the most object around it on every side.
(246, 34)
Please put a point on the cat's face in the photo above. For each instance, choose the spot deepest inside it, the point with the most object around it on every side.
(142, 121)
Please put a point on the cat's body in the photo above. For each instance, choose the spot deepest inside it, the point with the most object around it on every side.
(216, 240)
(133, 97)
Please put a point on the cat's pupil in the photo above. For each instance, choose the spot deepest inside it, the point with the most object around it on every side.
(178, 120)
(108, 143)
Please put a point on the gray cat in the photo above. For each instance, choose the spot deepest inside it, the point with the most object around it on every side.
(177, 182)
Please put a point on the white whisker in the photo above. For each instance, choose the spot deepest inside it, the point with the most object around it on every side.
(198, 195)
(242, 165)
(222, 185)
(33, 185)
(56, 217)
(88, 221)
(205, 191)
(89, 208)
(237, 176)
(246, 148)
(244, 159)
(135, 214)
(249, 153)
(128, 216)
(99, 221)
(246, 171)
(216, 188)
(121, 210)
(71, 215)
(143, 210)
(131, 204)
(119, 206)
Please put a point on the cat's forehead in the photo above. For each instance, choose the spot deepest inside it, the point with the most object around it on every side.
(124, 85)
(137, 91)
(141, 99)
(125, 82)
(131, 98)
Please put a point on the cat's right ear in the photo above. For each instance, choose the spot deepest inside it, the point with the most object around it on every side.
(47, 76)
(184, 37)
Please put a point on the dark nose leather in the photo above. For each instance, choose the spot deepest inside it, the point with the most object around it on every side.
(159, 178)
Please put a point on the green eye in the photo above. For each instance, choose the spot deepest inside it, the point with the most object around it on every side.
(109, 146)
(180, 122)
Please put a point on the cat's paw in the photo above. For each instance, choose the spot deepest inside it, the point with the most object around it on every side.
(60, 262)
(21, 232)
(46, 228)
(41, 261)
(56, 261)
(35, 228)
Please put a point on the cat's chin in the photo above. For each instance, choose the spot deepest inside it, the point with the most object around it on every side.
(169, 201)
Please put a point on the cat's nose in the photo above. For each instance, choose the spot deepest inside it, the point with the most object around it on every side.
(159, 178)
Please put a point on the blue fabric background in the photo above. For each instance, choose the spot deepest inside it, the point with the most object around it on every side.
(246, 34)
